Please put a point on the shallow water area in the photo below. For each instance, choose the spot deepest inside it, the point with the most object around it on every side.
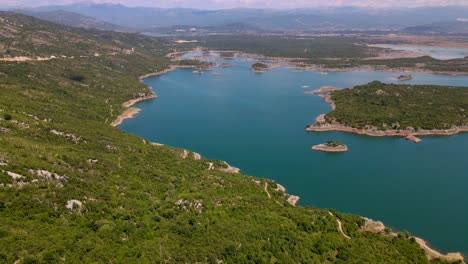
(440, 53)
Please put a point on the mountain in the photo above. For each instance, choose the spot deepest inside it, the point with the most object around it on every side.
(184, 30)
(317, 19)
(459, 26)
(75, 189)
(73, 19)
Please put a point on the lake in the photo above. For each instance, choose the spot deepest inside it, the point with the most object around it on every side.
(257, 122)
(440, 53)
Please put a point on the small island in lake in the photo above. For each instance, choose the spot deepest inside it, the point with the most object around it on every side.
(331, 146)
(378, 109)
(405, 77)
(259, 67)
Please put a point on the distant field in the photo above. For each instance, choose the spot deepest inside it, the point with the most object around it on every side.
(292, 47)
(335, 52)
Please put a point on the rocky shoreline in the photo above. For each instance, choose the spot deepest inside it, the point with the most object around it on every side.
(327, 148)
(431, 254)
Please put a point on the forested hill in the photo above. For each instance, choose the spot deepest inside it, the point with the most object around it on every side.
(74, 189)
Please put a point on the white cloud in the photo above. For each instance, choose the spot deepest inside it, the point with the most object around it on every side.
(212, 4)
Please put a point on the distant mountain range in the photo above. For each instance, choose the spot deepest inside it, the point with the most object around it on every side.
(459, 26)
(108, 16)
(68, 18)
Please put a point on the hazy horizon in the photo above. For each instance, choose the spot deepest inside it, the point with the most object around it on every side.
(227, 4)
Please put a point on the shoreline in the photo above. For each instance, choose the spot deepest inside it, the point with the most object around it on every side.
(322, 126)
(278, 62)
(292, 199)
(131, 112)
(326, 148)
(431, 254)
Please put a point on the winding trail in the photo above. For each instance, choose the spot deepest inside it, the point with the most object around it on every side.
(340, 228)
(266, 190)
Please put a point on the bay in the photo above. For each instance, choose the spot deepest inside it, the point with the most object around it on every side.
(257, 122)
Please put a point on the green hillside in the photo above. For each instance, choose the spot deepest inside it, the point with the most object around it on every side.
(128, 200)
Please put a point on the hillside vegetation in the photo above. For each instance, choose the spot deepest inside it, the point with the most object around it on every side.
(74, 189)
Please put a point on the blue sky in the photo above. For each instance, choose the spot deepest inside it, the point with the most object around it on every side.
(219, 4)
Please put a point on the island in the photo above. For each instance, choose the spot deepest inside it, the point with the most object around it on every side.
(331, 146)
(378, 109)
(405, 77)
(259, 67)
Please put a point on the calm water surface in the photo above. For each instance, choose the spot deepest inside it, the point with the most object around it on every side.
(441, 53)
(256, 122)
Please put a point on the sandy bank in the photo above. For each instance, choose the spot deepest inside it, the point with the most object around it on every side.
(129, 113)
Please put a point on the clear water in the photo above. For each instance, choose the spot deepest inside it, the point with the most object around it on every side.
(441, 53)
(257, 121)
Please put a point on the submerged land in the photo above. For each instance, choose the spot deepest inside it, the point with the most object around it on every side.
(74, 188)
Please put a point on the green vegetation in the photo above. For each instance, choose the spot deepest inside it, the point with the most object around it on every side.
(259, 66)
(334, 143)
(398, 106)
(425, 63)
(129, 201)
(201, 65)
(290, 46)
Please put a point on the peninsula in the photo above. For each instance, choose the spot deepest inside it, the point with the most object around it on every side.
(378, 109)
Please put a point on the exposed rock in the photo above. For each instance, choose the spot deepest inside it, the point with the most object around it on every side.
(47, 175)
(71, 204)
(15, 176)
(293, 199)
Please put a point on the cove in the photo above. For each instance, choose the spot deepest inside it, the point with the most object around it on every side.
(257, 122)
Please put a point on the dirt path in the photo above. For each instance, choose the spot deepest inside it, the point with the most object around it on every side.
(341, 229)
(266, 190)
(210, 166)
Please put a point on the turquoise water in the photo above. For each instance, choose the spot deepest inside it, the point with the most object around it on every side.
(257, 121)
(441, 53)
